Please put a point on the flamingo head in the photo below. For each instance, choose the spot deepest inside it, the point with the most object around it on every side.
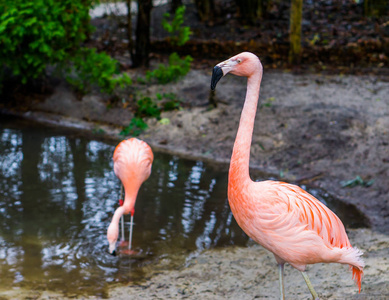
(112, 237)
(244, 64)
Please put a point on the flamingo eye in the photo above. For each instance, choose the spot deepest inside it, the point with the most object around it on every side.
(239, 60)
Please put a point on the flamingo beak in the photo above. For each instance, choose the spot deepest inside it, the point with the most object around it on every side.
(217, 73)
(112, 248)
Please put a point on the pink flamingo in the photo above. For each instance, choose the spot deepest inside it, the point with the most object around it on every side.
(132, 165)
(286, 220)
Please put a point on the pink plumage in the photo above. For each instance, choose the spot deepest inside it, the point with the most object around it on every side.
(288, 221)
(132, 165)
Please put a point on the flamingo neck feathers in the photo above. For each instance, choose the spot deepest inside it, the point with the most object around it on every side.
(117, 215)
(239, 167)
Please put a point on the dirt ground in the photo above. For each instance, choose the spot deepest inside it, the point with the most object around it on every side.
(251, 273)
(310, 128)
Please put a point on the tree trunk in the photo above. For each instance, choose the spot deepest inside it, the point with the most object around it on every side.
(129, 31)
(205, 9)
(250, 10)
(142, 43)
(296, 13)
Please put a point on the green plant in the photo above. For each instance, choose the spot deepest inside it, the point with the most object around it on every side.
(268, 102)
(96, 68)
(179, 34)
(135, 128)
(98, 130)
(169, 101)
(175, 69)
(357, 181)
(146, 107)
(37, 33)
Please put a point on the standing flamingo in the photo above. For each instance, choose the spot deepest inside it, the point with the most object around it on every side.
(132, 165)
(286, 220)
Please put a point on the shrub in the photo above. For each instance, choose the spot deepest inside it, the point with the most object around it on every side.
(96, 68)
(147, 107)
(168, 101)
(38, 33)
(177, 67)
(179, 34)
(135, 128)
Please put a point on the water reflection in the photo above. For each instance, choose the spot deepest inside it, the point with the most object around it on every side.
(59, 193)
(58, 196)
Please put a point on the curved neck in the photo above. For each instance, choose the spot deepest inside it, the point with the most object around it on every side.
(239, 167)
(131, 183)
(130, 194)
(117, 215)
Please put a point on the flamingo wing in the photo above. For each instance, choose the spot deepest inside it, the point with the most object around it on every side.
(283, 205)
(301, 230)
(314, 214)
(290, 222)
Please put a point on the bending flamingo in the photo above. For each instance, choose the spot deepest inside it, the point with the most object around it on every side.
(132, 165)
(286, 220)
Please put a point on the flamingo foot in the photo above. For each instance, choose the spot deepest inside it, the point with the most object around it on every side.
(123, 244)
(128, 252)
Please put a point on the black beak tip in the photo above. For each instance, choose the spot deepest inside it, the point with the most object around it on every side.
(217, 73)
(113, 253)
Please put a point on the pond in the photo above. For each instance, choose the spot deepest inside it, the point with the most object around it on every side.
(59, 193)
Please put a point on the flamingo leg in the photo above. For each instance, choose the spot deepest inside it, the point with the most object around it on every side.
(310, 286)
(281, 279)
(122, 219)
(130, 238)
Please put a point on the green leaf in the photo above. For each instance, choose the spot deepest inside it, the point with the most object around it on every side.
(357, 181)
(135, 128)
(164, 121)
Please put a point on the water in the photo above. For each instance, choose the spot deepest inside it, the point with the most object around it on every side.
(58, 195)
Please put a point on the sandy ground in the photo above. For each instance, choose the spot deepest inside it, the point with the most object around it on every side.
(251, 273)
(315, 129)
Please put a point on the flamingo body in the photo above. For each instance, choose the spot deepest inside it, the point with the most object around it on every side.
(288, 221)
(292, 224)
(132, 165)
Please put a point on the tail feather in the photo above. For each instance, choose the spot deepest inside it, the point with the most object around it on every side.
(357, 276)
(357, 266)
(352, 257)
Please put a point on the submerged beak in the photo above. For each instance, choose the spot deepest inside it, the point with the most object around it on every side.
(112, 248)
(217, 73)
